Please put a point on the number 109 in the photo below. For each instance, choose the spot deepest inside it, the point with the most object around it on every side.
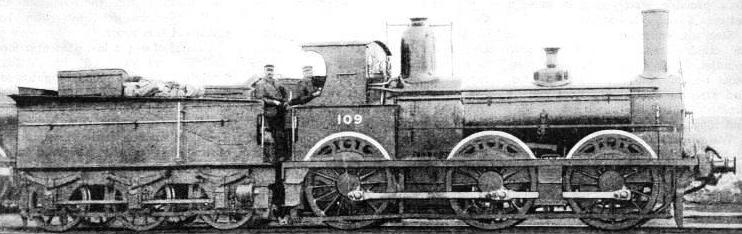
(349, 119)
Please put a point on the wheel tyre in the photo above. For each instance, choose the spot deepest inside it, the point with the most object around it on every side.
(233, 220)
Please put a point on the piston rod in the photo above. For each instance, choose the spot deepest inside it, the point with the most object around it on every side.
(502, 194)
(621, 194)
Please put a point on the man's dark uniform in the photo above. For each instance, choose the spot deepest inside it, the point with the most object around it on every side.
(274, 100)
(273, 96)
(306, 89)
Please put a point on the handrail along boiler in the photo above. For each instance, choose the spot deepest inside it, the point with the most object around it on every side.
(371, 148)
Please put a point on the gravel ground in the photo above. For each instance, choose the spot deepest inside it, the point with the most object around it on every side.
(720, 223)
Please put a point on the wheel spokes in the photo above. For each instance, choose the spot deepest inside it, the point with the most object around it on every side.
(328, 196)
(641, 183)
(472, 180)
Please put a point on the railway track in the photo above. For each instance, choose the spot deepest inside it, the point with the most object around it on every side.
(696, 222)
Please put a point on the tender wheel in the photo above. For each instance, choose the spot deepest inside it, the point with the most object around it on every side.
(643, 182)
(491, 145)
(225, 219)
(327, 190)
(61, 221)
(64, 218)
(180, 191)
(142, 219)
(98, 192)
(488, 179)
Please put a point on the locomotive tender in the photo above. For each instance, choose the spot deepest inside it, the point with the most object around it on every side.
(371, 148)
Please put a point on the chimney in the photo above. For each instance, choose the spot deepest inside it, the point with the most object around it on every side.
(552, 75)
(418, 52)
(655, 43)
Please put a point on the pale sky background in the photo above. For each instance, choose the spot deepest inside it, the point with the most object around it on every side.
(495, 43)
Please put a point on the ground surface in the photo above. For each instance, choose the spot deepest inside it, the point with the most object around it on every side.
(695, 222)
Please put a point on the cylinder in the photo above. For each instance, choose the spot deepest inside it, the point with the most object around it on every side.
(418, 52)
(655, 43)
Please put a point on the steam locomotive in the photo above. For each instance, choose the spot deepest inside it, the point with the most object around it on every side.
(371, 148)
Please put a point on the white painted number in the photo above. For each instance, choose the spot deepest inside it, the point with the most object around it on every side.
(349, 119)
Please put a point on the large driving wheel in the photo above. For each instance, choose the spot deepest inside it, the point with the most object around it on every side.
(491, 145)
(327, 190)
(643, 182)
(490, 179)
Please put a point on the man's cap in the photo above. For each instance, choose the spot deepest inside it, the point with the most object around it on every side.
(268, 65)
(306, 68)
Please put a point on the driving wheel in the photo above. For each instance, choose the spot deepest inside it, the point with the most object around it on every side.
(327, 191)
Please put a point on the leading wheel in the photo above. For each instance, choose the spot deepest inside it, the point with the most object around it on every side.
(327, 191)
(643, 182)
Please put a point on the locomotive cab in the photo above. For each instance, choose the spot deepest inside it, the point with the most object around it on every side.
(352, 68)
(347, 122)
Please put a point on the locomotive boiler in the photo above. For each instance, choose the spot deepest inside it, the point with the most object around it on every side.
(371, 148)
